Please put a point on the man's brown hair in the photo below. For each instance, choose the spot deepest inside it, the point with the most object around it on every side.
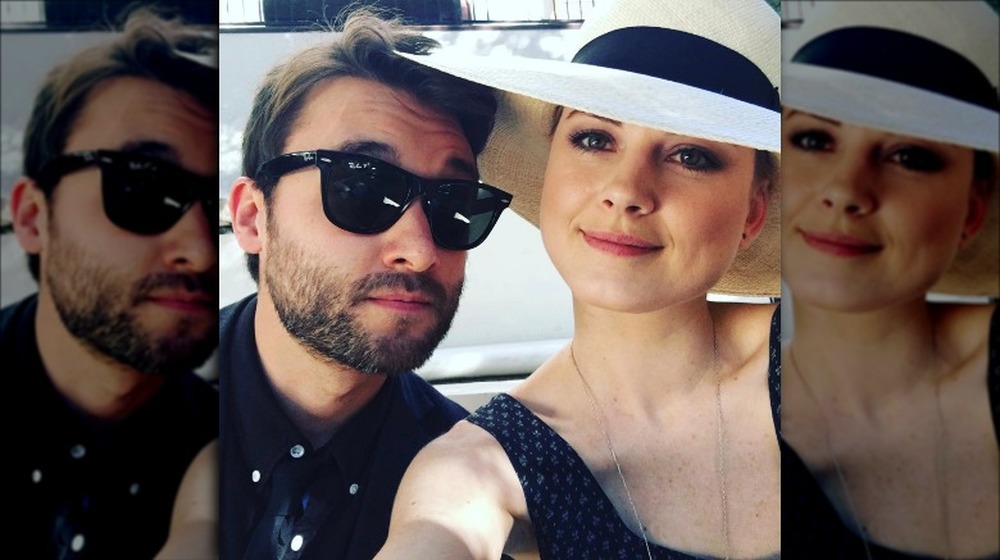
(364, 49)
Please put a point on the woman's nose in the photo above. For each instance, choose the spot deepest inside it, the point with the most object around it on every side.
(629, 188)
(851, 188)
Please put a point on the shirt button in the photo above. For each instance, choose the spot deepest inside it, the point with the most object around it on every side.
(77, 451)
(354, 488)
(255, 475)
(36, 476)
(297, 451)
(77, 543)
(296, 543)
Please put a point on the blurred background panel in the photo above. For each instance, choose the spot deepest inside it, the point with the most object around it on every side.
(35, 37)
(90, 15)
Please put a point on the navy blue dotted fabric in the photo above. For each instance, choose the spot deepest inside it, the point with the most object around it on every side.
(571, 515)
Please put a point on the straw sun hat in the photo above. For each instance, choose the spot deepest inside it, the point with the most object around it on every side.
(922, 69)
(707, 69)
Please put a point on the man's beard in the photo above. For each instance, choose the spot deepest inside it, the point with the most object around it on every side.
(317, 309)
(97, 304)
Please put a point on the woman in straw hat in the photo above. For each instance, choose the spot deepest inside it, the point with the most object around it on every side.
(653, 434)
(890, 136)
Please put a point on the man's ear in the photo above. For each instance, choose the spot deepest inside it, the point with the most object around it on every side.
(246, 206)
(29, 210)
(756, 215)
(975, 216)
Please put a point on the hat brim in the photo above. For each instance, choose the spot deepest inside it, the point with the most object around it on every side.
(886, 105)
(620, 95)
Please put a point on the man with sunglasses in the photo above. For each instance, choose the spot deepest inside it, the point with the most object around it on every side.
(358, 203)
(114, 210)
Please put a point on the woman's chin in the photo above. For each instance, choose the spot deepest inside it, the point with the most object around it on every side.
(851, 297)
(635, 299)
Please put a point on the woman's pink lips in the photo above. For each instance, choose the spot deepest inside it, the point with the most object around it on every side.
(619, 244)
(839, 245)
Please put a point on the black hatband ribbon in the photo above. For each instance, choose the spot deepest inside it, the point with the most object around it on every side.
(682, 57)
(901, 57)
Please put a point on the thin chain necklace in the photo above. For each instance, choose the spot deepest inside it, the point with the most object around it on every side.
(939, 466)
(720, 450)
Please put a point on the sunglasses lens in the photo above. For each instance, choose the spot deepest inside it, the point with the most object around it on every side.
(462, 214)
(362, 195)
(143, 199)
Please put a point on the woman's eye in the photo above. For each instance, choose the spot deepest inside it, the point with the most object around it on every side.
(697, 159)
(591, 140)
(916, 158)
(812, 141)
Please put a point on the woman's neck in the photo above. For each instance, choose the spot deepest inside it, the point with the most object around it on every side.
(666, 352)
(865, 355)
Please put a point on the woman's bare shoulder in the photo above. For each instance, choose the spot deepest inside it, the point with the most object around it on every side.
(465, 446)
(467, 459)
(964, 329)
(744, 314)
(747, 325)
(960, 313)
(458, 499)
(463, 435)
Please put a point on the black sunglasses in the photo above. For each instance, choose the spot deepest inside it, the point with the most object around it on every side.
(141, 194)
(365, 195)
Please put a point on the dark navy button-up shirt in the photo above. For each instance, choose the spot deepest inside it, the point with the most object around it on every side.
(283, 498)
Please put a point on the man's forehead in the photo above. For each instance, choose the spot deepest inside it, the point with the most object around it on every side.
(148, 117)
(128, 88)
(142, 102)
(359, 115)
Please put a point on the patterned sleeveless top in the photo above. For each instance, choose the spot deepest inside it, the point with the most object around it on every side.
(570, 513)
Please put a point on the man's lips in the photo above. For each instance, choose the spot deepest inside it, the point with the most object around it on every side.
(402, 301)
(619, 244)
(839, 244)
(184, 301)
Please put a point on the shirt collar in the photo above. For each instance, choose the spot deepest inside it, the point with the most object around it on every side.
(267, 435)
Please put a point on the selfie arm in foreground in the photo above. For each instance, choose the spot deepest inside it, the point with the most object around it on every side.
(458, 500)
(195, 520)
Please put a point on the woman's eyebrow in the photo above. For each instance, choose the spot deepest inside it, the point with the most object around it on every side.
(814, 116)
(605, 119)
